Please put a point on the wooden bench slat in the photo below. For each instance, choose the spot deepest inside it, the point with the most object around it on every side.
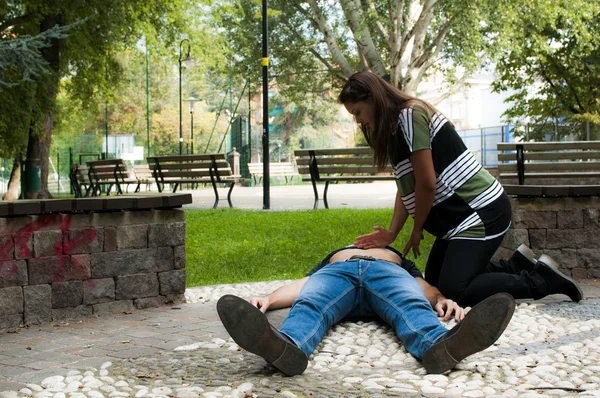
(105, 162)
(567, 166)
(551, 155)
(338, 160)
(359, 178)
(191, 165)
(334, 151)
(544, 146)
(582, 174)
(187, 158)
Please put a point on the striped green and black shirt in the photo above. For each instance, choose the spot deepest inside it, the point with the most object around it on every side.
(465, 191)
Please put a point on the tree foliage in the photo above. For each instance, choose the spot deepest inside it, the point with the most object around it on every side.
(551, 58)
(405, 39)
(86, 58)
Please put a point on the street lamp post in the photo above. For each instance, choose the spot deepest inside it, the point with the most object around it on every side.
(192, 101)
(188, 58)
(279, 151)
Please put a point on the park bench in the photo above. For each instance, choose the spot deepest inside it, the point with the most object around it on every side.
(176, 170)
(107, 173)
(143, 175)
(337, 165)
(276, 169)
(550, 169)
(80, 181)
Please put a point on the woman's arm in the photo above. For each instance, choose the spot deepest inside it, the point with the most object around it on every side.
(280, 298)
(383, 237)
(399, 217)
(441, 305)
(425, 186)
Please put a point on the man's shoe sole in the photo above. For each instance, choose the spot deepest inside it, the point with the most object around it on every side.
(575, 292)
(251, 330)
(480, 328)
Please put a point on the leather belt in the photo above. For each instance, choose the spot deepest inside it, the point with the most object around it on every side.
(359, 257)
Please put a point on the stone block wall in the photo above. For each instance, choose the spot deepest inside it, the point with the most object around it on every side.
(567, 229)
(59, 266)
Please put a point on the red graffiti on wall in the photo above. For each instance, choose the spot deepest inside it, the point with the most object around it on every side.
(23, 237)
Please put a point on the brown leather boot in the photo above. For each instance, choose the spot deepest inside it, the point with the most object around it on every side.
(251, 330)
(481, 327)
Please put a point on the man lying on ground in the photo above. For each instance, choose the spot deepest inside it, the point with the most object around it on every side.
(357, 284)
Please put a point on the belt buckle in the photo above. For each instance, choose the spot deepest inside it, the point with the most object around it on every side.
(359, 257)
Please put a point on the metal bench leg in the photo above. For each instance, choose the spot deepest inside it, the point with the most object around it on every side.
(520, 164)
(229, 194)
(316, 205)
(325, 195)
(216, 195)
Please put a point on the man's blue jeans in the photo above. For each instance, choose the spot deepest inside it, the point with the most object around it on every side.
(363, 289)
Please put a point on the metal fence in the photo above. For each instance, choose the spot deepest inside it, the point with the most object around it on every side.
(483, 142)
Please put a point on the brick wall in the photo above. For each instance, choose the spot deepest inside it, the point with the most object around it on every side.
(60, 266)
(567, 229)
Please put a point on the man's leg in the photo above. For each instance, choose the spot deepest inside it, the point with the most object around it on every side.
(399, 300)
(396, 297)
(325, 299)
(251, 330)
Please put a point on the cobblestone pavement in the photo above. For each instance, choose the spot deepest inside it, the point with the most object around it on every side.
(549, 349)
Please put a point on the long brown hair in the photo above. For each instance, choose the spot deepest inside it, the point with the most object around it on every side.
(388, 101)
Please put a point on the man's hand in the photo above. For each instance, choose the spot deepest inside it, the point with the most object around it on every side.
(446, 307)
(380, 238)
(262, 303)
(413, 243)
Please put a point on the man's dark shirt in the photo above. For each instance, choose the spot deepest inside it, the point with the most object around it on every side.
(408, 265)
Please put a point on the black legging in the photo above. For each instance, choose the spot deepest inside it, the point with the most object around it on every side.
(460, 269)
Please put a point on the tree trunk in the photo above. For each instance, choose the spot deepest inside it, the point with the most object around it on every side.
(12, 192)
(39, 141)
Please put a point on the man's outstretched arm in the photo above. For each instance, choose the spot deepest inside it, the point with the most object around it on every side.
(443, 306)
(280, 298)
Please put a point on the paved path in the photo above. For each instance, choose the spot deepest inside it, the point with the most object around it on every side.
(301, 197)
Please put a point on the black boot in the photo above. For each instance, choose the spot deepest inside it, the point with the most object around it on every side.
(251, 330)
(482, 326)
(523, 259)
(557, 282)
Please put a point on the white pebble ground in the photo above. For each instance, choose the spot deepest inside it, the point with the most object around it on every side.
(547, 350)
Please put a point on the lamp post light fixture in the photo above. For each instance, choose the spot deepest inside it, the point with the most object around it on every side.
(188, 60)
(192, 101)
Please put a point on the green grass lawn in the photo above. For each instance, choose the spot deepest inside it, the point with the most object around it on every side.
(233, 246)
